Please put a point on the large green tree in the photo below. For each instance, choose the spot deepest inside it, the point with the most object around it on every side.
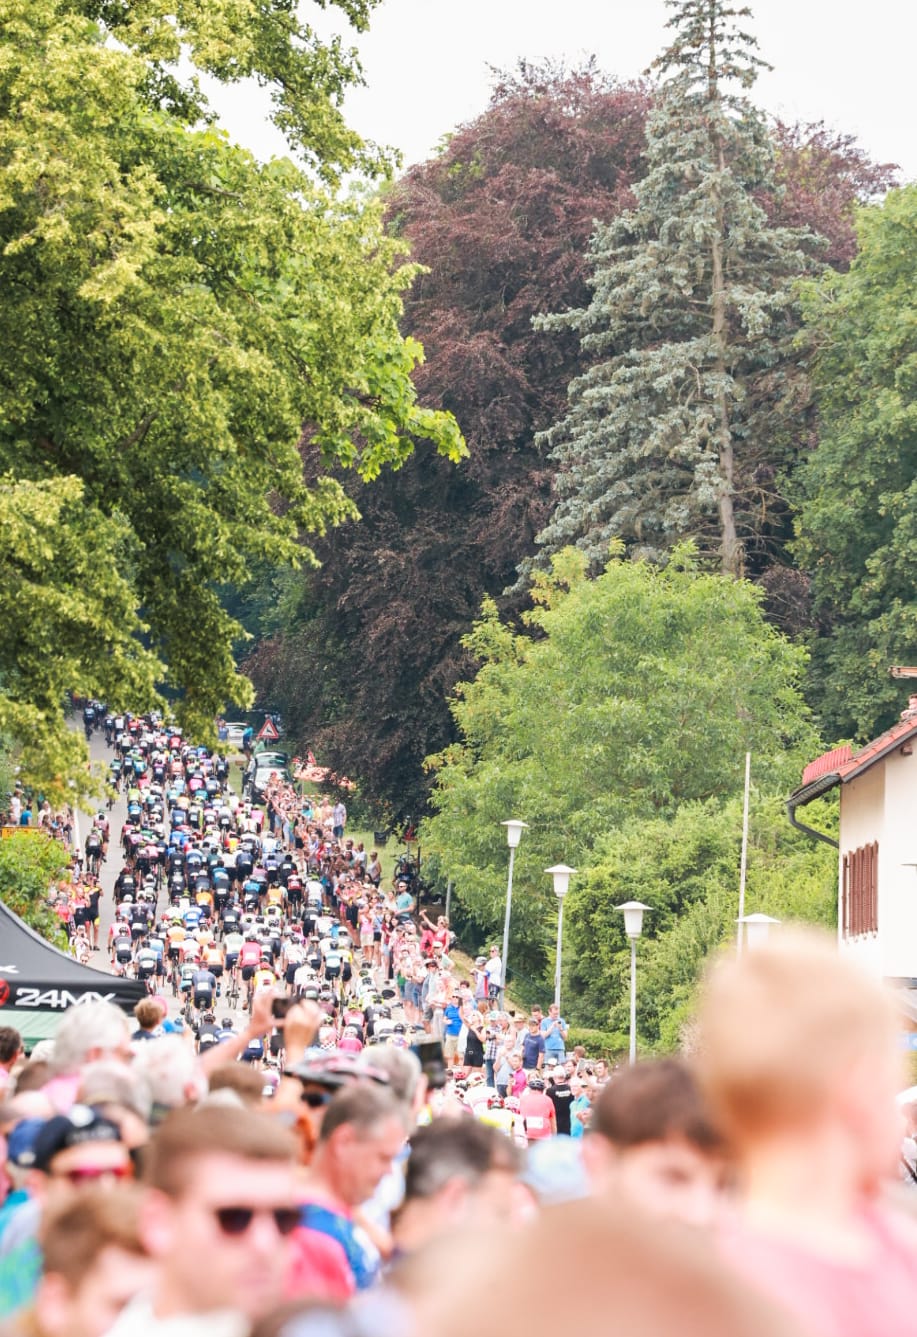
(174, 314)
(858, 490)
(685, 420)
(639, 692)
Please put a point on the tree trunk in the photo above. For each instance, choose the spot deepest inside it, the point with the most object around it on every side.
(731, 554)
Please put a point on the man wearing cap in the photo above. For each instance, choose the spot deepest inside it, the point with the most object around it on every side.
(559, 1093)
(66, 1152)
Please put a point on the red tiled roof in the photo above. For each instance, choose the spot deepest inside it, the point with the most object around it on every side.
(846, 764)
(826, 763)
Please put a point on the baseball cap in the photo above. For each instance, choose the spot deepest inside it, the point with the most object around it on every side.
(81, 1125)
(20, 1142)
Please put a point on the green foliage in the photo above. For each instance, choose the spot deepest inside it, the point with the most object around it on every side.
(30, 862)
(687, 870)
(640, 694)
(176, 312)
(232, 40)
(598, 1044)
(858, 496)
(687, 416)
(67, 621)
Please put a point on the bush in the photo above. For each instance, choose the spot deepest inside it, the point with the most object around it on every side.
(598, 1044)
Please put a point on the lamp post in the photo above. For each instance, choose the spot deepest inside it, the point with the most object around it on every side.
(633, 926)
(561, 874)
(514, 830)
(757, 929)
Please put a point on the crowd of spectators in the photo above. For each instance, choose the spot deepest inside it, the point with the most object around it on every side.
(383, 1146)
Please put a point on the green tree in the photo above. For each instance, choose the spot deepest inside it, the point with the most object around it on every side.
(857, 491)
(67, 622)
(175, 314)
(687, 417)
(640, 692)
(30, 863)
(687, 870)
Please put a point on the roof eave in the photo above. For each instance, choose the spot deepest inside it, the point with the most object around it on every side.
(814, 789)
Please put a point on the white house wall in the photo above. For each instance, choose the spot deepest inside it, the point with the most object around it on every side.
(898, 880)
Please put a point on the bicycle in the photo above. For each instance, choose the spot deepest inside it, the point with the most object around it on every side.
(232, 993)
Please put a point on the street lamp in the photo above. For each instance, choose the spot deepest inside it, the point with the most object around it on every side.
(633, 927)
(757, 929)
(514, 830)
(561, 874)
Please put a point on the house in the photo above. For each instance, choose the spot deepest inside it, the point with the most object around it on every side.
(877, 848)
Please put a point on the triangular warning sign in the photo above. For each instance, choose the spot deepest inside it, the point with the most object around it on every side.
(268, 732)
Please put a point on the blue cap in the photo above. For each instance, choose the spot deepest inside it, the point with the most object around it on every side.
(20, 1142)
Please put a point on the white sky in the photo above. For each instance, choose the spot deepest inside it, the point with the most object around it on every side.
(426, 64)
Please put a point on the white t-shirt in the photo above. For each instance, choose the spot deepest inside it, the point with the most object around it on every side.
(138, 1320)
(494, 970)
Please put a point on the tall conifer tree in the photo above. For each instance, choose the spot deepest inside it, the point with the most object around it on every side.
(684, 424)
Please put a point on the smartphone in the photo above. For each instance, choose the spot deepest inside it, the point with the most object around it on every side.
(280, 1007)
(432, 1062)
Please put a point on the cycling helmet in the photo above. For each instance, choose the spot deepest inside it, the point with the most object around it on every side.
(536, 1083)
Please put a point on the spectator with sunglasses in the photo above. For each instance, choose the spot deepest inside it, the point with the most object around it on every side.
(362, 1131)
(217, 1220)
(67, 1153)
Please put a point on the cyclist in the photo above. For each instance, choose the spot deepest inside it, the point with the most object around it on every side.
(188, 971)
(203, 989)
(146, 964)
(94, 850)
(264, 977)
(233, 943)
(214, 961)
(122, 949)
(249, 959)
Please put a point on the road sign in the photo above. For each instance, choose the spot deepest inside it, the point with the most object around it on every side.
(268, 732)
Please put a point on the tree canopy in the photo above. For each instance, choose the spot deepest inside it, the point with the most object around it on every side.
(361, 655)
(639, 692)
(858, 497)
(499, 219)
(684, 418)
(176, 313)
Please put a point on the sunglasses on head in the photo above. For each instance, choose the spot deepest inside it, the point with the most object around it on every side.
(235, 1221)
(90, 1174)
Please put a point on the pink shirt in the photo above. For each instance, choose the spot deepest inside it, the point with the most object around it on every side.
(537, 1111)
(835, 1299)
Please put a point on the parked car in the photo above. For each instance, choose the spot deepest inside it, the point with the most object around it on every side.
(259, 772)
